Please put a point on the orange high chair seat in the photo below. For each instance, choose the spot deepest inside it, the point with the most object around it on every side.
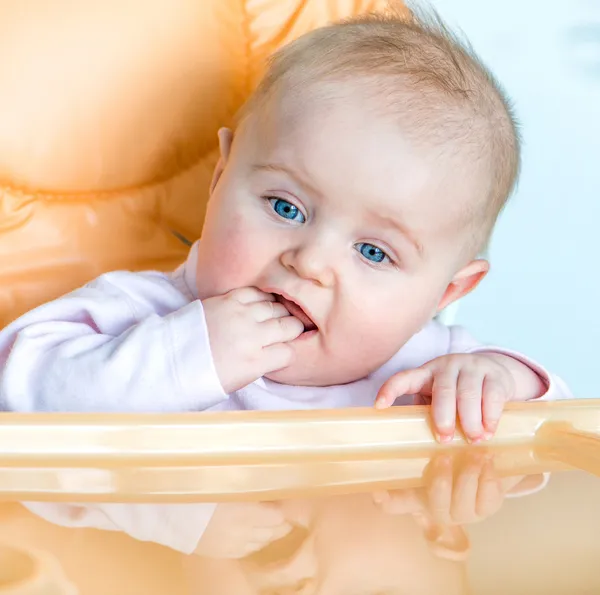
(110, 110)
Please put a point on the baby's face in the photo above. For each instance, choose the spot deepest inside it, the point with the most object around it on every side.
(340, 214)
(361, 550)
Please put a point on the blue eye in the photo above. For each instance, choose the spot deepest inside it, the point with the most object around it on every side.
(372, 253)
(287, 210)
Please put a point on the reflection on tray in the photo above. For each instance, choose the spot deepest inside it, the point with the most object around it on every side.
(461, 521)
(384, 537)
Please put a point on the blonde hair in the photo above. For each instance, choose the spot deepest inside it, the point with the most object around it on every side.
(423, 71)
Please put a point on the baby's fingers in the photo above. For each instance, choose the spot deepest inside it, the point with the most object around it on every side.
(469, 404)
(398, 502)
(490, 495)
(494, 398)
(280, 330)
(410, 382)
(276, 357)
(250, 295)
(443, 403)
(439, 479)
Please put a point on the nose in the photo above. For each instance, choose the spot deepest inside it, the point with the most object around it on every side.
(312, 261)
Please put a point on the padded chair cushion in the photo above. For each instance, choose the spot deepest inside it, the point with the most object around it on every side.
(109, 122)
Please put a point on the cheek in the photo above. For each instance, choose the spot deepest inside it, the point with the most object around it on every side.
(230, 256)
(233, 251)
(381, 321)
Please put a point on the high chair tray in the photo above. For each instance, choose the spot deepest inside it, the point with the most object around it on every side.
(258, 455)
(92, 504)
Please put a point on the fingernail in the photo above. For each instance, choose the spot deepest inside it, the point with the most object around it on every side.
(444, 438)
(380, 403)
(488, 435)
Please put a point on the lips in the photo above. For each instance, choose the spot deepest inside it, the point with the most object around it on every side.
(295, 310)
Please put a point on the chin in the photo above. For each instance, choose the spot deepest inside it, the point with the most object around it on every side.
(293, 377)
(296, 375)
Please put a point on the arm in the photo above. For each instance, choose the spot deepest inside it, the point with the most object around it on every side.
(532, 379)
(126, 342)
(177, 526)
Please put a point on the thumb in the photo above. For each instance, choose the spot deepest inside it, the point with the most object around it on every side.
(409, 382)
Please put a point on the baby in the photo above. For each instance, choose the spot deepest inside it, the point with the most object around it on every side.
(456, 488)
(347, 209)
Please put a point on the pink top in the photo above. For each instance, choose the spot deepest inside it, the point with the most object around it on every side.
(139, 342)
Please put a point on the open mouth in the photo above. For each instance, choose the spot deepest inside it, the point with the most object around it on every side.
(295, 310)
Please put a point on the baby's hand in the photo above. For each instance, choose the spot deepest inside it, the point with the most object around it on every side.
(457, 490)
(248, 331)
(237, 530)
(473, 387)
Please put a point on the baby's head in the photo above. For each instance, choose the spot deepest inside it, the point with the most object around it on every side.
(362, 181)
(352, 547)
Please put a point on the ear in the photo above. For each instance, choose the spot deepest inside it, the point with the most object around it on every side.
(464, 282)
(225, 141)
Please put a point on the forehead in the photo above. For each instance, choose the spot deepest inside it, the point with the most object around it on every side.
(349, 150)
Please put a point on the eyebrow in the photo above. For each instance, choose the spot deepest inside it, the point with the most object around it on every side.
(280, 168)
(391, 222)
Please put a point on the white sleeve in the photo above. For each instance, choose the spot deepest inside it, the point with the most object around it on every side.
(177, 526)
(125, 342)
(462, 342)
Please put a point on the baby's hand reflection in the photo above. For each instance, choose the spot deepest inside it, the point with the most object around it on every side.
(237, 530)
(458, 490)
